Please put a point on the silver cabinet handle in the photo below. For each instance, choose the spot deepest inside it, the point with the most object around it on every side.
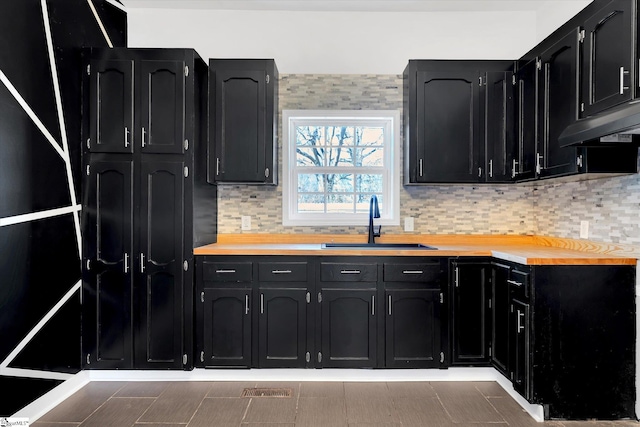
(420, 167)
(491, 168)
(513, 282)
(349, 271)
(520, 326)
(622, 86)
(389, 305)
(373, 305)
(412, 271)
(144, 134)
(280, 271)
(126, 263)
(126, 136)
(261, 303)
(246, 304)
(225, 271)
(141, 262)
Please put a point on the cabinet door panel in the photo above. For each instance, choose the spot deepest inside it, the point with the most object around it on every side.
(162, 104)
(499, 122)
(227, 327)
(448, 133)
(520, 362)
(608, 57)
(160, 260)
(108, 247)
(527, 121)
(240, 125)
(283, 328)
(111, 106)
(413, 329)
(348, 328)
(559, 103)
(500, 315)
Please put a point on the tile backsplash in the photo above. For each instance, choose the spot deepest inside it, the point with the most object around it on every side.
(611, 205)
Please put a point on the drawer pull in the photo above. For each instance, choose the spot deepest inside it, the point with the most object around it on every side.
(412, 272)
(520, 326)
(389, 305)
(246, 304)
(225, 271)
(349, 271)
(280, 271)
(513, 282)
(373, 305)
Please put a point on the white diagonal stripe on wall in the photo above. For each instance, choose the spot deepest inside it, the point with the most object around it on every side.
(32, 373)
(5, 363)
(32, 116)
(18, 219)
(116, 4)
(63, 132)
(104, 31)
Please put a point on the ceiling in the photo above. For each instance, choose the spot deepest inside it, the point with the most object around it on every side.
(350, 5)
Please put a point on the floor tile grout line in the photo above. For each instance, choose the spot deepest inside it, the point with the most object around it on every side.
(489, 401)
(200, 404)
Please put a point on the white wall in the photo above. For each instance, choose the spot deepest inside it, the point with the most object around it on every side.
(552, 14)
(305, 42)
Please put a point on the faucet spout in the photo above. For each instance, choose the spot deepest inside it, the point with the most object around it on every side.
(374, 212)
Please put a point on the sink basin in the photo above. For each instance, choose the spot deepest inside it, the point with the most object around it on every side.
(375, 246)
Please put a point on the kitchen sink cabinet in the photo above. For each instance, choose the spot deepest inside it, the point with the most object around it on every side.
(142, 191)
(470, 321)
(243, 121)
(608, 61)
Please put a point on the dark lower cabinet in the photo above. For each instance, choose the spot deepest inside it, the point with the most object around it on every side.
(412, 328)
(282, 327)
(520, 362)
(500, 308)
(348, 330)
(226, 322)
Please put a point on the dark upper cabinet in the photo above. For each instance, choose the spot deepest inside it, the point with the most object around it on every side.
(526, 123)
(500, 145)
(558, 103)
(608, 60)
(500, 309)
(243, 122)
(469, 313)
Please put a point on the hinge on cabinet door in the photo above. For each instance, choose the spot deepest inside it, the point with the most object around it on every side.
(538, 63)
(513, 80)
(266, 173)
(88, 264)
(319, 296)
(511, 374)
(441, 298)
(479, 172)
(489, 302)
(202, 296)
(442, 357)
(489, 351)
(480, 81)
(307, 357)
(512, 308)
(88, 169)
(202, 356)
(319, 357)
(457, 277)
(308, 298)
(217, 166)
(186, 70)
(88, 358)
(579, 161)
(514, 169)
(538, 162)
(185, 265)
(89, 143)
(186, 145)
(185, 359)
(186, 171)
(581, 36)
(268, 79)
(89, 70)
(582, 107)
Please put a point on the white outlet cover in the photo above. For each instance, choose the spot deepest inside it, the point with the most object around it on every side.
(408, 223)
(584, 229)
(246, 223)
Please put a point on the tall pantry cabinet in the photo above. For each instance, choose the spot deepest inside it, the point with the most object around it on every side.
(146, 205)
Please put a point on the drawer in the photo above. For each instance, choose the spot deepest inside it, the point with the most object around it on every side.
(348, 272)
(519, 281)
(227, 271)
(282, 271)
(416, 272)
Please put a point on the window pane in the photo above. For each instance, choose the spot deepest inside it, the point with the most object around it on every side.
(309, 156)
(340, 183)
(310, 183)
(309, 135)
(341, 156)
(366, 183)
(363, 201)
(373, 156)
(310, 203)
(370, 136)
(339, 135)
(340, 203)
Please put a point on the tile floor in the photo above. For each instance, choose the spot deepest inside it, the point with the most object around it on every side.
(335, 404)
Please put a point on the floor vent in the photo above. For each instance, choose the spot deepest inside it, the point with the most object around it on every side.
(266, 392)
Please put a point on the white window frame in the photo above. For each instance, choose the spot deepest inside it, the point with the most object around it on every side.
(390, 119)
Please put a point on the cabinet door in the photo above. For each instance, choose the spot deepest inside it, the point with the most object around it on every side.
(348, 328)
(559, 104)
(160, 264)
(240, 125)
(608, 57)
(526, 122)
(500, 305)
(412, 329)
(111, 106)
(469, 314)
(108, 247)
(520, 356)
(499, 126)
(282, 328)
(449, 135)
(227, 327)
(162, 103)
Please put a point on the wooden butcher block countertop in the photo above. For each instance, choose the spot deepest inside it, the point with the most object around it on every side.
(528, 250)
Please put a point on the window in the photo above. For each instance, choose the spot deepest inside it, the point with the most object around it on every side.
(334, 161)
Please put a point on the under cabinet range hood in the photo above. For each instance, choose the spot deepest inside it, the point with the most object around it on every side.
(618, 125)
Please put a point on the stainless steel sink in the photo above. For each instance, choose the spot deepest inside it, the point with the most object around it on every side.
(376, 246)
